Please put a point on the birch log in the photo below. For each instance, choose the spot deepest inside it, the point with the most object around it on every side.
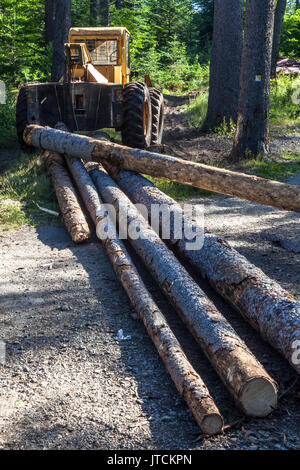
(262, 301)
(73, 216)
(251, 386)
(188, 383)
(252, 188)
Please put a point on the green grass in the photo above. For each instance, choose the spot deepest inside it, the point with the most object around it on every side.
(177, 191)
(284, 113)
(271, 168)
(8, 135)
(195, 111)
(26, 182)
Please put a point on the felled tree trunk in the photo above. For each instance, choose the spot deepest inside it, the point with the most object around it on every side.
(188, 383)
(72, 213)
(262, 302)
(243, 375)
(252, 188)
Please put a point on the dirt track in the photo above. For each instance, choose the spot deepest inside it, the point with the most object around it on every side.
(68, 382)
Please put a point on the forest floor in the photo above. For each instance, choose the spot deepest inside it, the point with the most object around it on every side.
(69, 383)
(189, 143)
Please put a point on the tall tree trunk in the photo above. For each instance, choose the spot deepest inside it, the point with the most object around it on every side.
(105, 12)
(95, 11)
(225, 62)
(278, 21)
(50, 6)
(62, 23)
(252, 134)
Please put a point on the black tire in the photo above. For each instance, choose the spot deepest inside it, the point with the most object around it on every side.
(21, 118)
(158, 117)
(137, 116)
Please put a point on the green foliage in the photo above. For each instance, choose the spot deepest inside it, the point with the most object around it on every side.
(7, 121)
(81, 16)
(169, 20)
(196, 110)
(290, 41)
(285, 93)
(176, 73)
(163, 42)
(225, 128)
(26, 182)
(271, 168)
(284, 106)
(195, 114)
(23, 55)
(168, 38)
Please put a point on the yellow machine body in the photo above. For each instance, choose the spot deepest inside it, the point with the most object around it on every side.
(108, 52)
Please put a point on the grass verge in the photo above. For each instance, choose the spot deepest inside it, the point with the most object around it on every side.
(284, 108)
(21, 187)
(275, 169)
(177, 191)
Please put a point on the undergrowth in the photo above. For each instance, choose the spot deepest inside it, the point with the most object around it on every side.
(22, 186)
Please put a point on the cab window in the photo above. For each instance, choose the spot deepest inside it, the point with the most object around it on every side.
(102, 52)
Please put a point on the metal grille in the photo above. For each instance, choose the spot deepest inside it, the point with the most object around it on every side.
(103, 52)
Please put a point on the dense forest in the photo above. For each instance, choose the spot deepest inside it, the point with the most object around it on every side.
(170, 39)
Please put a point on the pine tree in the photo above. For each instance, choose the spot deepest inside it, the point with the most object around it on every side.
(225, 63)
(278, 21)
(252, 134)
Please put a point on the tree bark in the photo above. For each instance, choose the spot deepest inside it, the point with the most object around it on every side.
(188, 383)
(73, 216)
(225, 63)
(62, 24)
(252, 188)
(242, 374)
(105, 12)
(72, 213)
(95, 11)
(252, 134)
(271, 310)
(278, 22)
(50, 7)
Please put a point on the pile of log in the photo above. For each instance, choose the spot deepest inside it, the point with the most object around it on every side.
(102, 174)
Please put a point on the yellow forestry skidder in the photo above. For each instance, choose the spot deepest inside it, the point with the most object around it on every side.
(96, 91)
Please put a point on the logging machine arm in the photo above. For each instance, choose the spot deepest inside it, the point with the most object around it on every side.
(79, 65)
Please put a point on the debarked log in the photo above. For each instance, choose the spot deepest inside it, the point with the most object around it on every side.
(269, 308)
(72, 213)
(188, 383)
(251, 386)
(252, 188)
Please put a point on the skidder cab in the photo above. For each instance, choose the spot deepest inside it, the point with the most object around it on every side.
(96, 91)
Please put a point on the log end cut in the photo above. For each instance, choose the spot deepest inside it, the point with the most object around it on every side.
(212, 424)
(259, 397)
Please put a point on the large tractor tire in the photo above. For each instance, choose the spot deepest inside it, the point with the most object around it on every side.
(21, 118)
(137, 116)
(158, 118)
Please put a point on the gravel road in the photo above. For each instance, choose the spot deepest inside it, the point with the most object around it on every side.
(68, 383)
